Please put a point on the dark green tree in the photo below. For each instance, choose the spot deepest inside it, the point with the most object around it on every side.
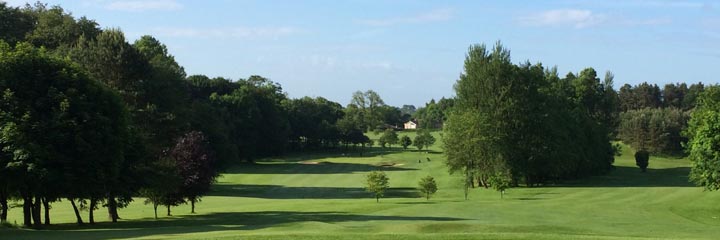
(642, 159)
(405, 141)
(63, 131)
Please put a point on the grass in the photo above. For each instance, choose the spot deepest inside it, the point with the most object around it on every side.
(320, 196)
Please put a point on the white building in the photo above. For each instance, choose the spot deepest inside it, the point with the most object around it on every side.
(410, 125)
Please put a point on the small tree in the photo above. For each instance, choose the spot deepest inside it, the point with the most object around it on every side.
(642, 159)
(376, 183)
(428, 186)
(390, 137)
(424, 140)
(500, 181)
(381, 141)
(405, 141)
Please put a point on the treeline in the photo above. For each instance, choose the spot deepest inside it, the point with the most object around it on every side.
(434, 114)
(652, 119)
(523, 124)
(88, 117)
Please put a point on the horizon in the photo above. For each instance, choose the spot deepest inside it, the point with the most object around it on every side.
(411, 52)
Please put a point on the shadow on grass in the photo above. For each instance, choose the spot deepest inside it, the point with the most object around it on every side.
(623, 176)
(310, 168)
(198, 224)
(341, 153)
(283, 192)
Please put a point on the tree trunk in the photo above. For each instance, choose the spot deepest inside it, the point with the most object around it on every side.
(192, 205)
(3, 206)
(77, 212)
(27, 210)
(46, 205)
(36, 209)
(112, 209)
(168, 210)
(91, 209)
(155, 205)
(377, 199)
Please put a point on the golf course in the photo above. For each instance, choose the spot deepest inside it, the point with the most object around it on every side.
(306, 196)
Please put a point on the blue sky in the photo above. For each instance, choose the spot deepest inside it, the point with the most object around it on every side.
(412, 51)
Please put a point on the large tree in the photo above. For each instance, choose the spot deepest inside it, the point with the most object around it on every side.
(702, 132)
(525, 121)
(62, 132)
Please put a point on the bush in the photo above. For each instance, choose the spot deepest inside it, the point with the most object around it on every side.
(642, 159)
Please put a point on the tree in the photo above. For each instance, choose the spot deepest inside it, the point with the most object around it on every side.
(389, 137)
(642, 158)
(702, 133)
(405, 141)
(14, 23)
(63, 132)
(376, 182)
(526, 122)
(55, 29)
(195, 164)
(501, 181)
(368, 114)
(162, 184)
(423, 139)
(657, 130)
(427, 186)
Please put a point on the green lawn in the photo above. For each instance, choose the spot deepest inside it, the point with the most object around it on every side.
(321, 197)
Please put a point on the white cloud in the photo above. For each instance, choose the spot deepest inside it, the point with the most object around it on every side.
(436, 15)
(669, 4)
(237, 32)
(580, 18)
(149, 5)
(577, 18)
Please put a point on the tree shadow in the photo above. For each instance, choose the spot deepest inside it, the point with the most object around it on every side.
(309, 168)
(284, 192)
(623, 176)
(237, 221)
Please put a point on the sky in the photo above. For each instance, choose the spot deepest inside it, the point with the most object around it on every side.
(413, 51)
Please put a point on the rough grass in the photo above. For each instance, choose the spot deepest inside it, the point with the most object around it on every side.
(285, 199)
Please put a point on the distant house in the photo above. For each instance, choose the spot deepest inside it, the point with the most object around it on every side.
(411, 125)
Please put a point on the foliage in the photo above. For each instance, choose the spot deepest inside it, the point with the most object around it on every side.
(646, 95)
(376, 182)
(500, 181)
(62, 133)
(656, 130)
(365, 109)
(427, 186)
(642, 159)
(195, 164)
(313, 123)
(434, 114)
(702, 132)
(389, 137)
(405, 141)
(423, 139)
(526, 119)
